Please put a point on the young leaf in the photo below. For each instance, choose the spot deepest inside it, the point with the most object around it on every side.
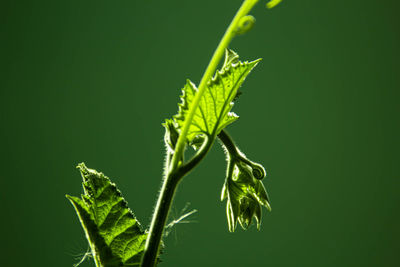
(213, 113)
(115, 236)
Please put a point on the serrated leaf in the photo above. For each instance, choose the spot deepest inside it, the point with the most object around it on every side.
(115, 236)
(214, 111)
(231, 57)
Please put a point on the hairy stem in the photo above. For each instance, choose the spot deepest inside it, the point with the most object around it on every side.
(175, 171)
(233, 150)
(228, 143)
(165, 199)
(159, 219)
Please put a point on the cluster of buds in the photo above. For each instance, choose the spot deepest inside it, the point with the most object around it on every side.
(243, 189)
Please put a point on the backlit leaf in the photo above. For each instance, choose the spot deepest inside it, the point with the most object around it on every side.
(115, 236)
(214, 111)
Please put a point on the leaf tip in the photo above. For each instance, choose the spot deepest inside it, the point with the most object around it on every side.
(255, 62)
(267, 205)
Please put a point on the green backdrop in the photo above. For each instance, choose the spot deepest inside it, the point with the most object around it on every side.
(92, 81)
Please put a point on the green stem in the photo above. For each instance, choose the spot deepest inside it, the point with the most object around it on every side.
(159, 219)
(187, 167)
(234, 155)
(96, 260)
(164, 202)
(211, 68)
(173, 172)
(233, 150)
(229, 144)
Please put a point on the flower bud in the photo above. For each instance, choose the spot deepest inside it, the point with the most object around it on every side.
(245, 193)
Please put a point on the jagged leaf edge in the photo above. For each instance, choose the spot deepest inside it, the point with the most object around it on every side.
(92, 232)
(231, 62)
(100, 251)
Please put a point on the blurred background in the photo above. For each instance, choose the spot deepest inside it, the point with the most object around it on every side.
(92, 81)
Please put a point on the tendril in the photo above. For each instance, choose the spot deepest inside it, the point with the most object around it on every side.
(258, 171)
(273, 3)
(245, 24)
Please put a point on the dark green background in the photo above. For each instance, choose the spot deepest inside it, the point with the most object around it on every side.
(93, 80)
